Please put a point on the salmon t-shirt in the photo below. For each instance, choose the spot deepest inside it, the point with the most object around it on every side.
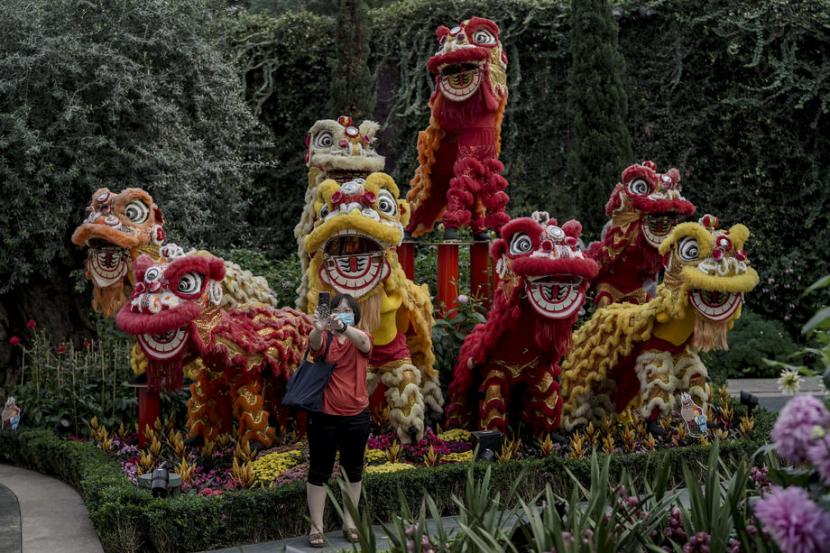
(346, 392)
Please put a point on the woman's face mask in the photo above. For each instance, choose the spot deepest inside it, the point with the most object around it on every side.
(345, 318)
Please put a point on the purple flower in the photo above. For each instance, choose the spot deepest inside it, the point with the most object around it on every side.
(819, 455)
(794, 428)
(795, 523)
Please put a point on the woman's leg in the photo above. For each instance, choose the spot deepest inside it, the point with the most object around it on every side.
(352, 442)
(322, 448)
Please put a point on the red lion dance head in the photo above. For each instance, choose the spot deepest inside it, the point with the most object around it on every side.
(169, 297)
(470, 69)
(545, 262)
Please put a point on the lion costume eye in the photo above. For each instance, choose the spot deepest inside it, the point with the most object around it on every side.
(323, 140)
(521, 244)
(152, 274)
(191, 283)
(483, 36)
(639, 187)
(137, 211)
(387, 204)
(324, 211)
(688, 249)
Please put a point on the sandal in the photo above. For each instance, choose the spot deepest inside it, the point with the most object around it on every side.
(316, 539)
(351, 535)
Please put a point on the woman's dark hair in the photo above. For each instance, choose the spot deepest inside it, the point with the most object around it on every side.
(350, 301)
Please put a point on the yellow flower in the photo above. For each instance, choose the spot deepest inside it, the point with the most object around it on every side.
(455, 435)
(386, 468)
(375, 456)
(464, 457)
(269, 467)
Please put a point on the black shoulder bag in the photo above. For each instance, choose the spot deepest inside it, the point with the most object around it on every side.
(307, 384)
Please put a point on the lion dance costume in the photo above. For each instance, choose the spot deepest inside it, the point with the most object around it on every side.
(176, 313)
(644, 208)
(357, 226)
(516, 353)
(338, 150)
(647, 354)
(459, 172)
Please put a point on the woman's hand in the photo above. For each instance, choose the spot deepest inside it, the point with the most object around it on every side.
(319, 324)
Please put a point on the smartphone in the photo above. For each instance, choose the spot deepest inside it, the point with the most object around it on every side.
(323, 305)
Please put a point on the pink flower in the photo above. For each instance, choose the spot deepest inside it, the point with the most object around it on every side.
(14, 340)
(793, 520)
(61, 349)
(462, 298)
(87, 343)
(819, 455)
(31, 324)
(793, 430)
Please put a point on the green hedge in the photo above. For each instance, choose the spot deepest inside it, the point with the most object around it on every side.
(731, 92)
(129, 519)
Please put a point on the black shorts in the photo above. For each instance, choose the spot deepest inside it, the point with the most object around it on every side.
(329, 433)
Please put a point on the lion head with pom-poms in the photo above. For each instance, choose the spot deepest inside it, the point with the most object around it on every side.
(119, 227)
(643, 209)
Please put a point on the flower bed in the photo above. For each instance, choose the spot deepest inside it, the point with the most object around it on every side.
(129, 519)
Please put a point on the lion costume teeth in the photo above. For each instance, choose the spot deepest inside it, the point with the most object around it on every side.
(649, 352)
(351, 249)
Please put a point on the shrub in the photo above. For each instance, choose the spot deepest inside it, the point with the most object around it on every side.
(752, 340)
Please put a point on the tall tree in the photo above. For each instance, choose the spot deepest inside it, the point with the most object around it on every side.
(117, 94)
(601, 145)
(352, 86)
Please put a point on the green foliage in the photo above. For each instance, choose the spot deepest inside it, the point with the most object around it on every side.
(283, 275)
(352, 87)
(599, 107)
(731, 93)
(118, 94)
(66, 387)
(449, 333)
(752, 341)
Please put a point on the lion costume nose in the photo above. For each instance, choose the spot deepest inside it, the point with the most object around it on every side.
(547, 245)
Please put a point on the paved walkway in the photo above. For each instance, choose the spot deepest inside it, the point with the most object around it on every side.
(11, 535)
(54, 517)
(766, 390)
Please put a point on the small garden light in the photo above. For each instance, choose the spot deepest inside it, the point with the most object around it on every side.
(488, 443)
(750, 401)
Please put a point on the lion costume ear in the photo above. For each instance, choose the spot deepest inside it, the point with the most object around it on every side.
(572, 228)
(739, 235)
(404, 211)
(498, 249)
(216, 269)
(143, 263)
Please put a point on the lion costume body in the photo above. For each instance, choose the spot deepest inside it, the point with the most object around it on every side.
(358, 225)
(647, 353)
(177, 315)
(459, 172)
(544, 277)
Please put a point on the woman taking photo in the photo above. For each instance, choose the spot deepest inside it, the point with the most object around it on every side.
(343, 423)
